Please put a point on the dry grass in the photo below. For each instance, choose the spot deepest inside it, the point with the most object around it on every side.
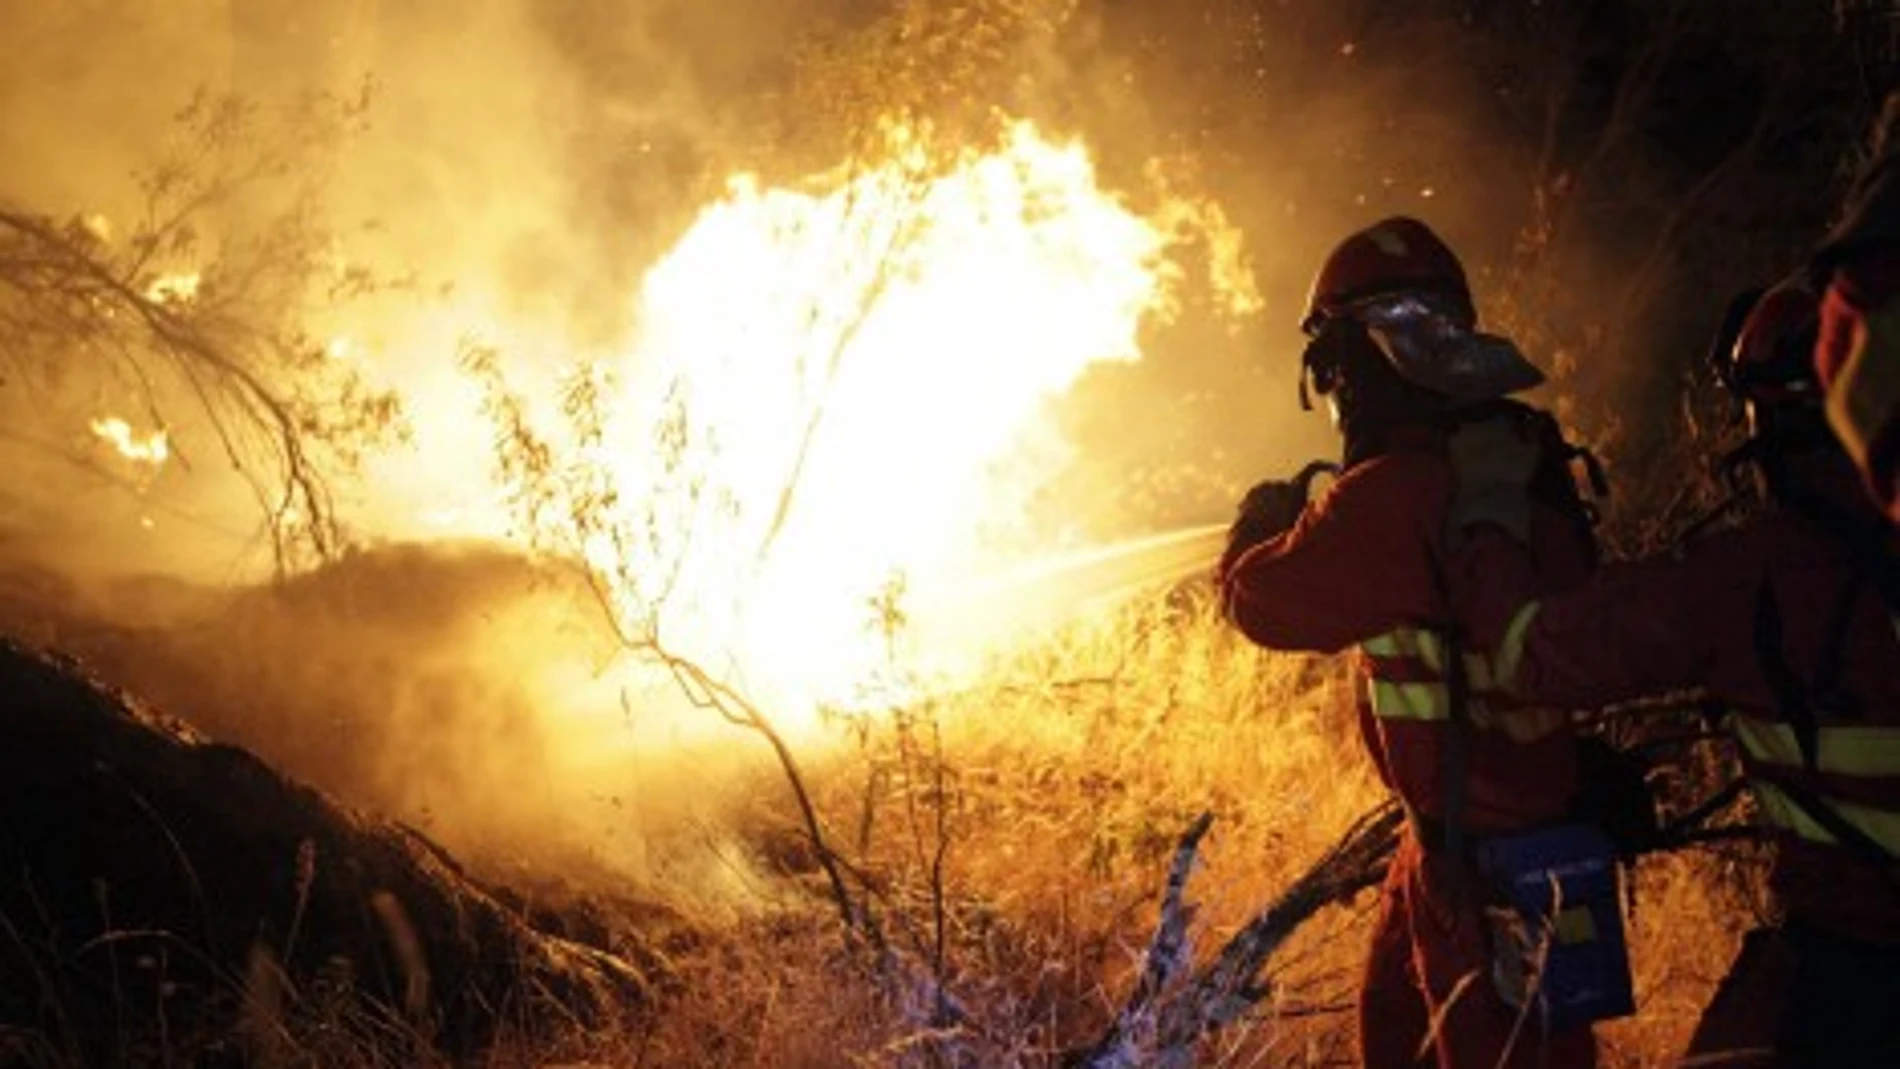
(1069, 776)
(1013, 838)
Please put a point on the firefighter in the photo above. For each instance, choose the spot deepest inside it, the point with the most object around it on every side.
(1393, 349)
(1858, 352)
(1786, 619)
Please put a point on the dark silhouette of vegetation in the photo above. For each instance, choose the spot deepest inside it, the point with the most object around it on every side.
(195, 313)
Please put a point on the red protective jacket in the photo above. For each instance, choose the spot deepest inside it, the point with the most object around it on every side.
(1858, 357)
(1732, 613)
(1858, 352)
(1361, 568)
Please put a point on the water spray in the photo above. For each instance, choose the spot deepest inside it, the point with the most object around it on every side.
(1069, 586)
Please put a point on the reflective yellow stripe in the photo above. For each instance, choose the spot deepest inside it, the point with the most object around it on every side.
(1410, 701)
(1386, 645)
(1432, 702)
(1882, 825)
(1478, 673)
(1427, 646)
(1510, 654)
(1393, 700)
(1848, 751)
(1526, 725)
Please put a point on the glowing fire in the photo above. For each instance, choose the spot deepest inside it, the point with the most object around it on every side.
(343, 348)
(153, 449)
(176, 288)
(833, 391)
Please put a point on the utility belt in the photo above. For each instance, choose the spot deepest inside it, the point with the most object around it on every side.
(1553, 908)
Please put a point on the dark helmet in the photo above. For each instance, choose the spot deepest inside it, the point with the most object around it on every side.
(1398, 286)
(1392, 256)
(1765, 359)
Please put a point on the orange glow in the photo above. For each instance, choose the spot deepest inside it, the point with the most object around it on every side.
(153, 449)
(832, 392)
(179, 287)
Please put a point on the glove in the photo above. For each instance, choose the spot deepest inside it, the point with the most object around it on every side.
(1269, 510)
(1492, 463)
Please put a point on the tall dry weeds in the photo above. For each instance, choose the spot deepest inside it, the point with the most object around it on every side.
(1076, 771)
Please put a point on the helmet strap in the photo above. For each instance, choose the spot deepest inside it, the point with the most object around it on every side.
(1775, 441)
(1373, 401)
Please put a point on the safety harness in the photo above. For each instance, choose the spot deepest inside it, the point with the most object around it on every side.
(1554, 485)
(1553, 906)
(1457, 768)
(1803, 705)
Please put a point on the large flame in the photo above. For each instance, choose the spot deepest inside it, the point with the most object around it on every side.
(857, 363)
(835, 394)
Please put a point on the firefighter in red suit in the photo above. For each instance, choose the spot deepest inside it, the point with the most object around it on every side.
(1393, 349)
(1858, 352)
(1789, 620)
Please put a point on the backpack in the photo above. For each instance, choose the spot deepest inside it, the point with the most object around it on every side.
(1555, 929)
(1554, 484)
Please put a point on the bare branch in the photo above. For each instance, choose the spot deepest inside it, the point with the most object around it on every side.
(1168, 1013)
(73, 305)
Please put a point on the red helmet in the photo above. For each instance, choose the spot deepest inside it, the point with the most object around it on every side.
(1771, 361)
(1395, 255)
(1854, 362)
(1405, 289)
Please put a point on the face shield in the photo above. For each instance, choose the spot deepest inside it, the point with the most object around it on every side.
(1333, 344)
(1427, 339)
(1429, 342)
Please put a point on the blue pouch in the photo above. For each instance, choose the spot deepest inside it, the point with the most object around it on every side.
(1557, 941)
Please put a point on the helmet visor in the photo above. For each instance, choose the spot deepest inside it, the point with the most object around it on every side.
(1427, 340)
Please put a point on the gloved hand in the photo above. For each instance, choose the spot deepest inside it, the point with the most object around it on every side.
(1492, 463)
(1269, 510)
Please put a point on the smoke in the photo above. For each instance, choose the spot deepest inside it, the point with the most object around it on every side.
(507, 172)
(462, 689)
(509, 162)
(1609, 174)
(514, 170)
(525, 163)
(516, 163)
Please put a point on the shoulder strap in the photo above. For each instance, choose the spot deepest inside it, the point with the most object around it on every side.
(1795, 699)
(1866, 542)
(1845, 832)
(1561, 454)
(1457, 763)
(1827, 671)
(1791, 694)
